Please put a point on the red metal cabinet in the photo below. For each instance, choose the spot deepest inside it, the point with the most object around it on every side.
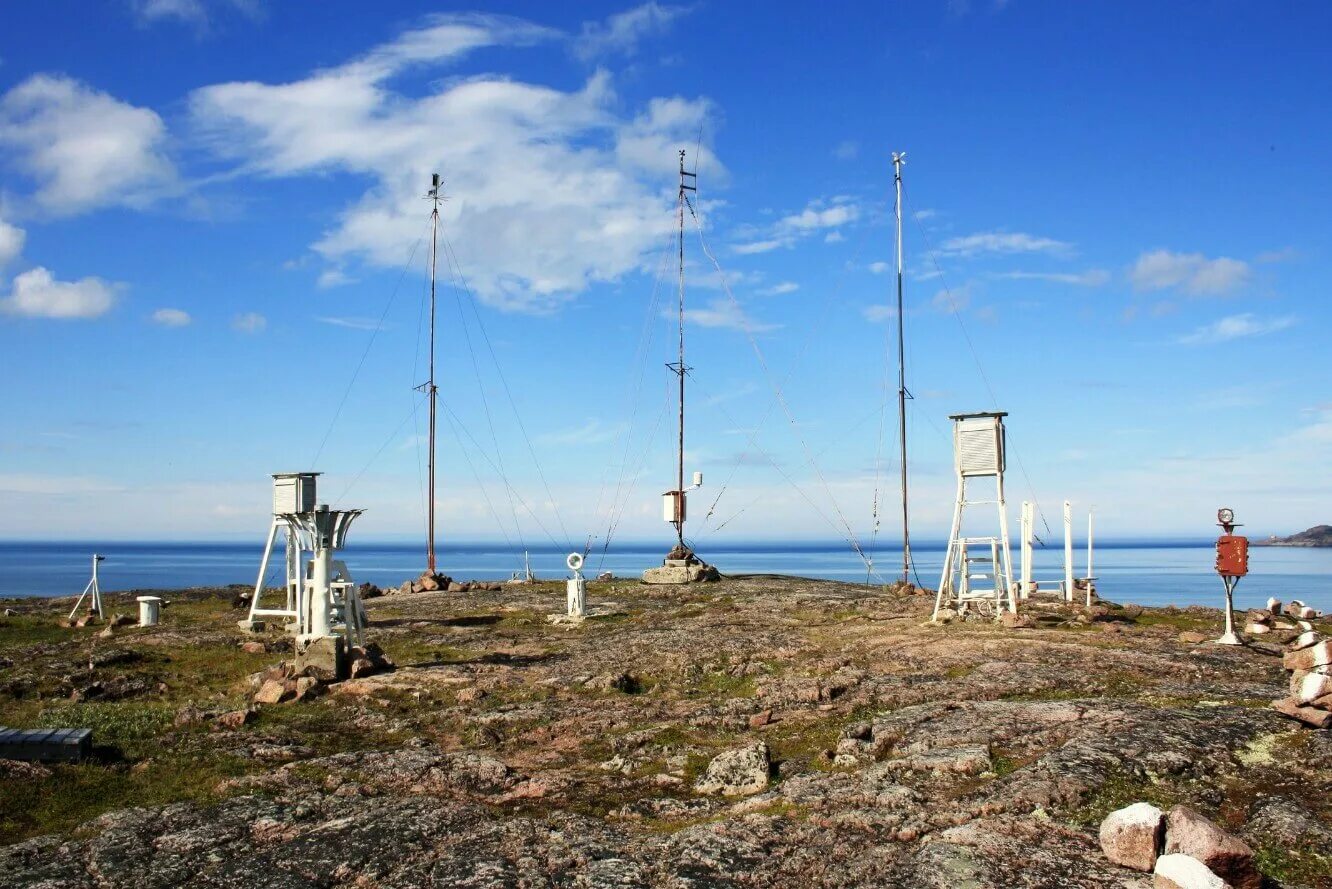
(1232, 555)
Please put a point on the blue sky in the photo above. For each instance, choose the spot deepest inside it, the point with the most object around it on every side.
(1116, 231)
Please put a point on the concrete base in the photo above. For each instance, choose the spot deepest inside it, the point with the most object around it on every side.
(324, 657)
(677, 575)
(1229, 639)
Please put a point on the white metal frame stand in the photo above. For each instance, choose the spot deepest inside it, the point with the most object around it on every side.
(330, 597)
(978, 450)
(94, 590)
(1066, 581)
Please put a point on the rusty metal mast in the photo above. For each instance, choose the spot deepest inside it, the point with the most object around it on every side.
(679, 366)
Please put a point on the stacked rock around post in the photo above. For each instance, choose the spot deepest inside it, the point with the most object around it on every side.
(1308, 661)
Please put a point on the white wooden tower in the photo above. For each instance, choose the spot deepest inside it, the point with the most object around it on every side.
(978, 570)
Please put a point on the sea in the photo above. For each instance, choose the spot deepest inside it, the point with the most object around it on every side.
(1159, 573)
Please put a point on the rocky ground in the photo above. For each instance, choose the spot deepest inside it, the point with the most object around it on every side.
(752, 732)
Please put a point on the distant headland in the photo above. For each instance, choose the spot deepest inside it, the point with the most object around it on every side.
(1318, 535)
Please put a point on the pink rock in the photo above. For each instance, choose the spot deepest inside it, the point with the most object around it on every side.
(271, 692)
(1132, 836)
(1176, 871)
(1226, 855)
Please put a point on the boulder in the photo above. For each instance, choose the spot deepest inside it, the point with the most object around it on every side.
(273, 691)
(1016, 620)
(680, 574)
(740, 772)
(234, 719)
(1313, 717)
(1225, 855)
(1132, 836)
(253, 647)
(108, 631)
(1190, 637)
(1274, 606)
(1313, 687)
(1176, 871)
(1319, 655)
(1305, 639)
(369, 591)
(1256, 629)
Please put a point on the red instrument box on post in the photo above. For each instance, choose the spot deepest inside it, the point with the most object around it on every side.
(1232, 555)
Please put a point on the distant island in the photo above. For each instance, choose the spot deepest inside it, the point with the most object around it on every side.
(1318, 535)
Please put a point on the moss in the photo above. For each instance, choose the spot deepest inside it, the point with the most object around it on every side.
(1298, 867)
(133, 727)
(74, 794)
(1121, 789)
(27, 630)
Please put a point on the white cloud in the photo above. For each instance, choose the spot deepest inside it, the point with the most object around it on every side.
(37, 294)
(332, 277)
(1089, 278)
(877, 313)
(620, 34)
(1003, 242)
(352, 323)
(1190, 272)
(1285, 254)
(724, 313)
(780, 289)
(84, 148)
(846, 151)
(1234, 327)
(834, 237)
(249, 322)
(818, 215)
(952, 302)
(191, 12)
(171, 317)
(549, 191)
(11, 242)
(880, 268)
(594, 431)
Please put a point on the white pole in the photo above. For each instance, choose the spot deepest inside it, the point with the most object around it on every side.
(263, 569)
(1068, 551)
(1007, 552)
(96, 588)
(1026, 548)
(1090, 575)
(946, 578)
(318, 592)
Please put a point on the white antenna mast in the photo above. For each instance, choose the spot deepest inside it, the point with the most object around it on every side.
(899, 158)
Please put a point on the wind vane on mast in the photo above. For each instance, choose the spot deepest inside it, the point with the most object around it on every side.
(429, 386)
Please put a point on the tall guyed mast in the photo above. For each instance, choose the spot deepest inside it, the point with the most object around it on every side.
(899, 158)
(679, 366)
(429, 386)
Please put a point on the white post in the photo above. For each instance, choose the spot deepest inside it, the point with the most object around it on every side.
(1024, 530)
(263, 568)
(1068, 551)
(1007, 552)
(1090, 575)
(293, 570)
(318, 592)
(96, 588)
(1230, 637)
(946, 578)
